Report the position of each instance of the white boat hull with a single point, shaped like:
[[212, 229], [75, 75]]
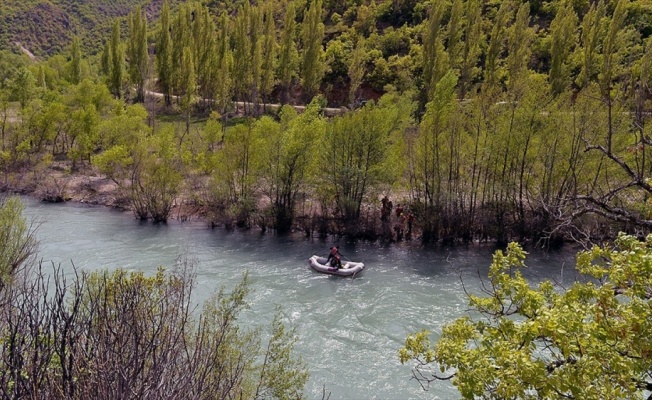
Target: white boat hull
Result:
[[349, 268]]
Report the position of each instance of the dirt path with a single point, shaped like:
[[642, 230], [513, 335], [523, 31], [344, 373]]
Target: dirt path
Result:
[[27, 52]]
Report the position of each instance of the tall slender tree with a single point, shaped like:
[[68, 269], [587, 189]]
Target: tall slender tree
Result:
[[563, 37], [288, 54], [435, 60], [269, 53], [591, 33], [242, 52], [106, 62], [471, 47], [187, 85], [181, 38], [312, 65], [356, 70], [224, 81], [137, 52], [75, 62], [164, 53], [117, 61], [497, 43]]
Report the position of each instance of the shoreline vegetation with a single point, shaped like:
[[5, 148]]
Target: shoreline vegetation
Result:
[[466, 121], [488, 122]]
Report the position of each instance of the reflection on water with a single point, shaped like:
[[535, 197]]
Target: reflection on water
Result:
[[350, 329]]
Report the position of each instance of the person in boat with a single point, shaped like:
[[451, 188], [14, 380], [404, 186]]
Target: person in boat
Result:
[[334, 257]]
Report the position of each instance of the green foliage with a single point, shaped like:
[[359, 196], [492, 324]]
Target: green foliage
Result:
[[289, 159], [144, 333], [137, 52], [156, 175], [355, 156], [312, 65], [236, 169], [163, 54], [117, 61], [75, 63], [17, 241], [582, 342]]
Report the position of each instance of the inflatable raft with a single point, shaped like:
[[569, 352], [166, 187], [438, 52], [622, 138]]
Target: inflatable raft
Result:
[[349, 268]]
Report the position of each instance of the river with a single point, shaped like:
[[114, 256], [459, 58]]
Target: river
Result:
[[350, 330]]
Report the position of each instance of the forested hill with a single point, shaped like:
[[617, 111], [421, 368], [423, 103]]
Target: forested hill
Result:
[[46, 27]]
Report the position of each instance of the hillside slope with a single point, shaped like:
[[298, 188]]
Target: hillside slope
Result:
[[46, 27]]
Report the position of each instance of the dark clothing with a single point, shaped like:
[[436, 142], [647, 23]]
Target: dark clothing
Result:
[[334, 260]]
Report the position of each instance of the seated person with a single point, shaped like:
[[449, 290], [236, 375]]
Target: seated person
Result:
[[334, 257]]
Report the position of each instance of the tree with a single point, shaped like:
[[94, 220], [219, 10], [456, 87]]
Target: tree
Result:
[[17, 240], [181, 39], [156, 175], [496, 44], [23, 86], [435, 61], [117, 61], [591, 33], [163, 54], [242, 53], [237, 169], [288, 160], [187, 85], [356, 70], [519, 41], [471, 47], [106, 62], [75, 62], [564, 37], [137, 52], [224, 81], [357, 156], [124, 334], [269, 51], [582, 342], [312, 63], [427, 153], [288, 54]]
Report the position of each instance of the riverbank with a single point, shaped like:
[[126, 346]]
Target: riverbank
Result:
[[86, 186]]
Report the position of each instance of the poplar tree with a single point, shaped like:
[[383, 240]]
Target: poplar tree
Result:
[[312, 66], [224, 81], [563, 37], [435, 62], [591, 31], [117, 61], [255, 33], [137, 52], [519, 45], [163, 54], [610, 59], [496, 43], [75, 65], [40, 78], [288, 54], [242, 72], [187, 84], [269, 52], [181, 37], [106, 61], [471, 47], [455, 31], [205, 53], [356, 70]]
